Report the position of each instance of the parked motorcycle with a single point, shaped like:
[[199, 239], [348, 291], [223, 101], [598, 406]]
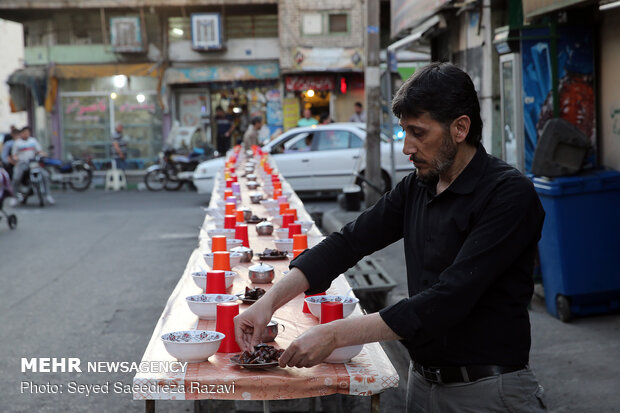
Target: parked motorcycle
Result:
[[76, 173], [174, 169]]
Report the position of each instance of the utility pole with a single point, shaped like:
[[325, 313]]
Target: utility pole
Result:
[[372, 84]]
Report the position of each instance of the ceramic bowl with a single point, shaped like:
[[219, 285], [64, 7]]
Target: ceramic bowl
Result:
[[200, 279], [227, 232], [277, 219], [281, 233], [284, 244], [305, 225], [230, 243], [344, 354], [235, 259], [269, 203], [348, 304], [205, 305], [193, 346]]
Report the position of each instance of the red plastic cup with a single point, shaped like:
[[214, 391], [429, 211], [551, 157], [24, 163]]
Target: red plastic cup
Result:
[[240, 215], [228, 193], [300, 241], [221, 261], [241, 232], [225, 314], [297, 251], [306, 309], [276, 193], [287, 219], [230, 221], [218, 243], [283, 207], [230, 208], [216, 282], [330, 311], [234, 178], [292, 211], [229, 183], [294, 229]]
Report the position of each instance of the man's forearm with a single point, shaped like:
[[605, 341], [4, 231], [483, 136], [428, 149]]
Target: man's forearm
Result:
[[293, 284], [360, 330]]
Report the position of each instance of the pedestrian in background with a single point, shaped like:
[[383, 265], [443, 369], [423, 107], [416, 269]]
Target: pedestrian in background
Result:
[[359, 115], [307, 120], [25, 149], [7, 160], [119, 147], [325, 119], [225, 127], [250, 137]]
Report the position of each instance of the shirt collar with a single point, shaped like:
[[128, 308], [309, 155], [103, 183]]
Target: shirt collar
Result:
[[468, 178]]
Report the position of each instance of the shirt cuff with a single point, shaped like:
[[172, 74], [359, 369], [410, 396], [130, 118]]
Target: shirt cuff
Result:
[[402, 319], [313, 270]]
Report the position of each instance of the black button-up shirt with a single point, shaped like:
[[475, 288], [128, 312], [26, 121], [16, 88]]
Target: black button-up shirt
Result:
[[469, 253]]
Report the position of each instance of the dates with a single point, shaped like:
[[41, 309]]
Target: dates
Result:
[[272, 253], [253, 293], [262, 354]]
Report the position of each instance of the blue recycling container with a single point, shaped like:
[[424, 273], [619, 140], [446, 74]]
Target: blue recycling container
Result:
[[580, 244]]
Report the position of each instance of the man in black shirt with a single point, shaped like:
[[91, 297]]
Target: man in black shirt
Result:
[[225, 127], [470, 224]]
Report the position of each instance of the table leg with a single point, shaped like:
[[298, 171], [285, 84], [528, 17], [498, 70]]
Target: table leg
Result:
[[197, 406], [312, 405], [374, 403], [149, 406], [265, 406]]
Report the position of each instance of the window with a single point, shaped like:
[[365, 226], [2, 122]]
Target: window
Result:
[[334, 139], [338, 23], [355, 142], [293, 143], [312, 23]]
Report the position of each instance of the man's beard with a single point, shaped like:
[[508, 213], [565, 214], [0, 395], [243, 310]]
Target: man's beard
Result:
[[443, 161]]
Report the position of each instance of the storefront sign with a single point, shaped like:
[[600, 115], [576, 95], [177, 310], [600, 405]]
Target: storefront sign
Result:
[[274, 108], [86, 112], [290, 109], [302, 82], [406, 14], [224, 73], [324, 58]]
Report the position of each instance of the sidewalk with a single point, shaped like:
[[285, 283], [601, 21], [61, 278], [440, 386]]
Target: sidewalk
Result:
[[577, 363]]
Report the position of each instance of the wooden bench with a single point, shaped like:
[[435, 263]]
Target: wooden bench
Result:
[[370, 282]]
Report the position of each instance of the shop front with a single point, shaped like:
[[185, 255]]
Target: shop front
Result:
[[241, 91], [328, 81], [89, 108]]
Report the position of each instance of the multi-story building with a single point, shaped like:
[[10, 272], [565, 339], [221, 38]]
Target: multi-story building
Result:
[[11, 44], [148, 64]]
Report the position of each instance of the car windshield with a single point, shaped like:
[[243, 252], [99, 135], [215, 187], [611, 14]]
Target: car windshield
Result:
[[384, 138]]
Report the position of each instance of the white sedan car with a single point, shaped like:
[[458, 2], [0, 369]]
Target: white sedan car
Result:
[[318, 158]]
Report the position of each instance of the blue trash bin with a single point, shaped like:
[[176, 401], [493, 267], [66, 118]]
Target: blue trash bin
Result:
[[580, 244]]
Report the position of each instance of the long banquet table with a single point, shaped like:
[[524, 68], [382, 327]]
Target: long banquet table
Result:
[[367, 374]]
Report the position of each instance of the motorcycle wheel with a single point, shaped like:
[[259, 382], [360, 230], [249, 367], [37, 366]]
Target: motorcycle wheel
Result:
[[173, 184], [12, 221], [84, 180], [39, 190], [156, 180]]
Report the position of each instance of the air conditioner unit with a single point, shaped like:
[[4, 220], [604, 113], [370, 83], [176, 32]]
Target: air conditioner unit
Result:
[[206, 31], [126, 34]]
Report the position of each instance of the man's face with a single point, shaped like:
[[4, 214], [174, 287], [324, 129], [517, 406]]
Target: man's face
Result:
[[119, 128], [25, 134], [358, 109], [307, 113], [429, 145]]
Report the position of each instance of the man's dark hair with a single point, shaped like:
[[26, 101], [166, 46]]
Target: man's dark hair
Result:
[[443, 91], [359, 104], [25, 128], [256, 119], [219, 108]]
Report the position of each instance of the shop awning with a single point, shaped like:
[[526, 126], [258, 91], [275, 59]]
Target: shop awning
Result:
[[407, 14], [417, 33], [28, 80], [92, 71], [535, 8]]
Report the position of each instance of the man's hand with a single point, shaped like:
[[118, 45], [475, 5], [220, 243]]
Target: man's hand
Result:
[[311, 348], [250, 324]]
